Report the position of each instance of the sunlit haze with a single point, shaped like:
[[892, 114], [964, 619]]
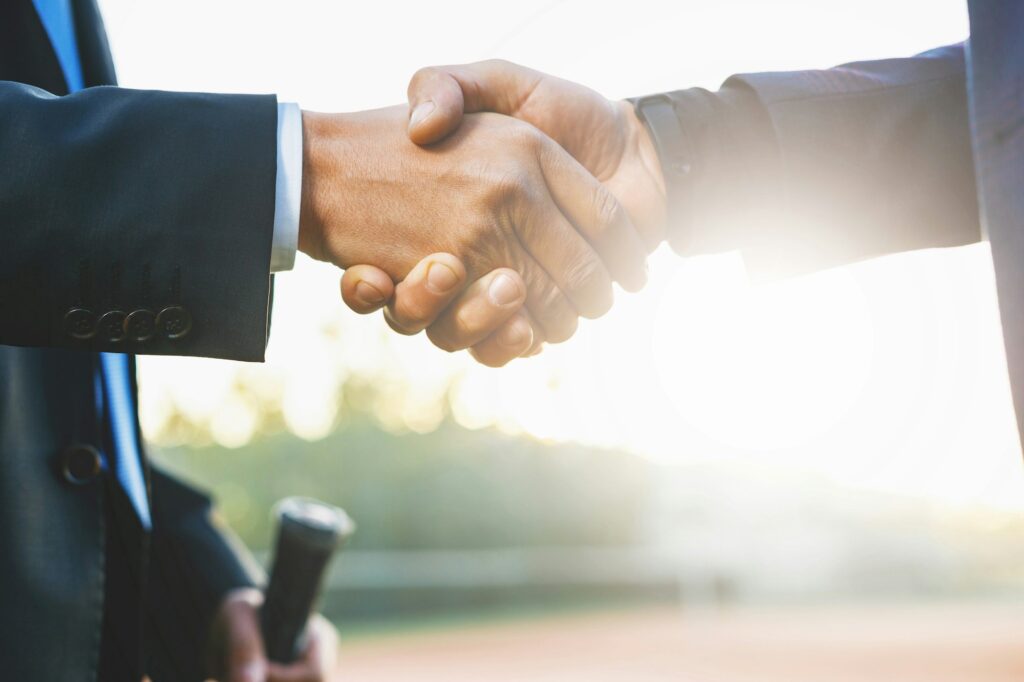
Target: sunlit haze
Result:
[[887, 375]]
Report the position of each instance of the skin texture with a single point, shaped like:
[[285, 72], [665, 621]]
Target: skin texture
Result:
[[605, 136], [494, 331], [236, 647], [495, 194]]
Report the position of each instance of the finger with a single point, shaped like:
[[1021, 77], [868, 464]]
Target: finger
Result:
[[296, 672], [439, 95], [316, 662], [538, 339], [552, 316], [597, 215], [425, 293], [481, 309], [365, 288], [549, 308], [244, 657], [535, 329], [538, 335], [511, 340], [564, 254], [435, 105]]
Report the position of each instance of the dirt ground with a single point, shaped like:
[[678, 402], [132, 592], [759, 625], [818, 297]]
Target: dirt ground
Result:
[[965, 643]]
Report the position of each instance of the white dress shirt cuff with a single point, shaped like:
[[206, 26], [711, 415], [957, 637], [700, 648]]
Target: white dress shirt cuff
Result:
[[288, 190]]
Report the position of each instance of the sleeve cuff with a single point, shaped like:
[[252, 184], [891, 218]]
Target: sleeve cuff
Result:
[[716, 150], [288, 190]]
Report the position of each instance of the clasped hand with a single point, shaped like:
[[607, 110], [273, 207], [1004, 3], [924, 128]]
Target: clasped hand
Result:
[[493, 231]]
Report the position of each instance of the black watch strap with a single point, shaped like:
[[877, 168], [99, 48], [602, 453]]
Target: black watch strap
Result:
[[676, 155]]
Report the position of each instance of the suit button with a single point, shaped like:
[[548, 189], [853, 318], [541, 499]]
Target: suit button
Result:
[[80, 464], [111, 326], [174, 321], [140, 325], [80, 323]]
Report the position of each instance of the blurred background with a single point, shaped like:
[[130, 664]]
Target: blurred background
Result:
[[719, 480]]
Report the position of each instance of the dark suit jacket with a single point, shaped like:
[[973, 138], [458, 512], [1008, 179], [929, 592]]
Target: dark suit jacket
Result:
[[811, 169], [123, 201]]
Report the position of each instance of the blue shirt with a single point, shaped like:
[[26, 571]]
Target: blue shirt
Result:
[[60, 27]]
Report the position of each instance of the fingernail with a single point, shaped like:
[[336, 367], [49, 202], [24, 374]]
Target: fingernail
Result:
[[514, 334], [441, 278], [420, 113], [503, 290], [367, 293]]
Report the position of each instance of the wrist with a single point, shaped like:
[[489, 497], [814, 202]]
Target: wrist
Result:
[[655, 197], [315, 149], [646, 148]]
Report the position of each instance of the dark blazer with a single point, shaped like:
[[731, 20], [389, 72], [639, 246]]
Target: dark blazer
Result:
[[996, 86], [810, 169], [151, 207]]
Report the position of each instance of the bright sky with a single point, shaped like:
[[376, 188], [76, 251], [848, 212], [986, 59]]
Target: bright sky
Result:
[[887, 375]]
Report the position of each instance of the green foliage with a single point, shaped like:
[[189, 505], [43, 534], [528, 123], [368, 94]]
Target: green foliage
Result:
[[450, 489]]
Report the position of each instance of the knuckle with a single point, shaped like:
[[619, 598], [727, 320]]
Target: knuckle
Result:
[[399, 328], [556, 316], [504, 188], [400, 323], [464, 325], [479, 255], [411, 314], [561, 328], [424, 74], [608, 212], [529, 136], [496, 63], [489, 359], [478, 241], [454, 333], [519, 135], [412, 325], [441, 339], [587, 278]]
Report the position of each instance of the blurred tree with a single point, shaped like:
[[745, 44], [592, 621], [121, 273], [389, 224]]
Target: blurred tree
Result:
[[452, 488]]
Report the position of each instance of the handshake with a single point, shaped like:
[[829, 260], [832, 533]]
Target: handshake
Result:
[[492, 213]]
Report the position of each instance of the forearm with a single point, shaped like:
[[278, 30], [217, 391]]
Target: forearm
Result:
[[807, 170], [122, 200]]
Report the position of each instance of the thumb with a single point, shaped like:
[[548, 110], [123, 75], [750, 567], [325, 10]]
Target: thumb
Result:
[[440, 95], [435, 105]]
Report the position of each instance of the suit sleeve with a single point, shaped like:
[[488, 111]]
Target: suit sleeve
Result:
[[807, 170], [194, 561], [136, 221]]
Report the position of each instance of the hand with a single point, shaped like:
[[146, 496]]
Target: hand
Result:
[[495, 194], [605, 136], [236, 651], [480, 318]]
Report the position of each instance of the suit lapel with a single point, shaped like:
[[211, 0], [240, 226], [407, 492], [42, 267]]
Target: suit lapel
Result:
[[26, 55]]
